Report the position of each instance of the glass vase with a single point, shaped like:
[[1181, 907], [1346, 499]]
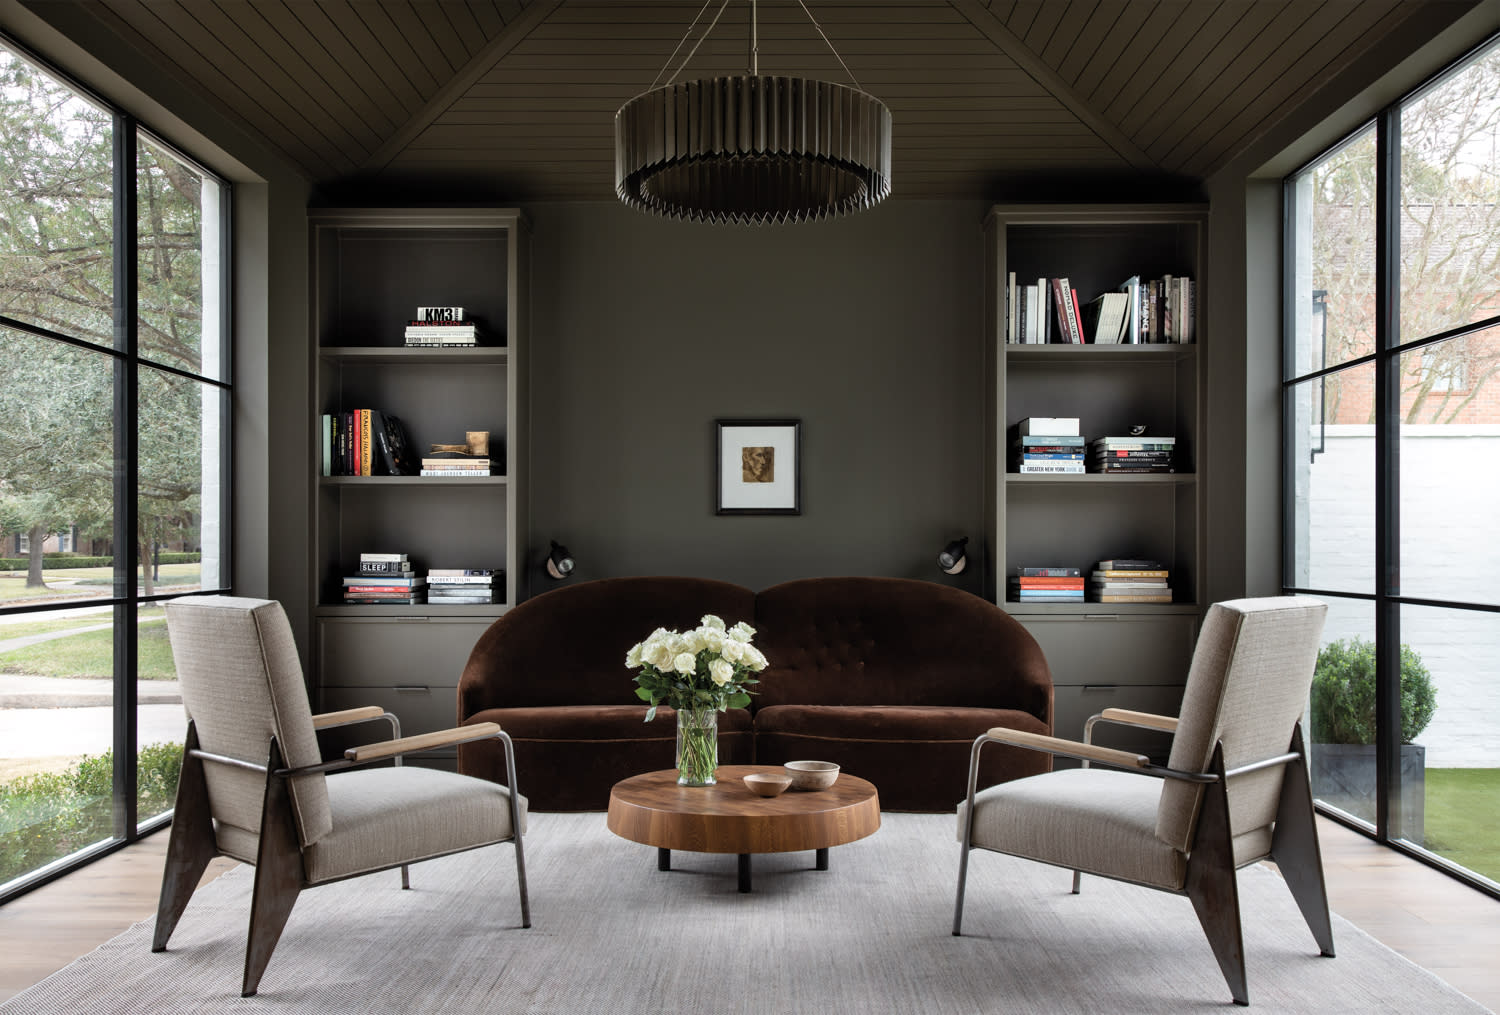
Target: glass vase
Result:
[[697, 746]]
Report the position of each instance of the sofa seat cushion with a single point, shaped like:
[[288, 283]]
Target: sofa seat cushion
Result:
[[892, 722], [598, 722], [917, 756], [569, 756]]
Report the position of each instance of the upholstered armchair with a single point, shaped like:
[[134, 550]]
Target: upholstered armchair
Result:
[[1234, 789], [253, 786]]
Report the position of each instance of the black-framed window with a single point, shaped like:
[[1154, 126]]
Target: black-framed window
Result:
[[1391, 465], [115, 399]]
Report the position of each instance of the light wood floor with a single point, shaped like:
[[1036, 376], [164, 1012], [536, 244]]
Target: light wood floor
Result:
[[1433, 920]]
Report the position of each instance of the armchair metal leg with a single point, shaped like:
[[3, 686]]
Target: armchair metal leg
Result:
[[967, 846], [1077, 882], [515, 826], [190, 848], [1212, 887], [1294, 847], [279, 875]]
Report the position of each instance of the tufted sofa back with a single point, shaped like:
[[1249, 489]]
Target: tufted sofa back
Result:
[[895, 641], [567, 646]]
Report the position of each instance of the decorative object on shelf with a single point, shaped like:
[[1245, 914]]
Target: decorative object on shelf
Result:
[[752, 149], [559, 561], [758, 465], [699, 673], [953, 559]]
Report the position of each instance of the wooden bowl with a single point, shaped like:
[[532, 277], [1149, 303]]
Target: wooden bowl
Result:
[[767, 783], [811, 775]]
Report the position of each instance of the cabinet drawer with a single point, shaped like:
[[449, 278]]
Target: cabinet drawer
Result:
[[1074, 703], [421, 709], [399, 651], [1115, 649]]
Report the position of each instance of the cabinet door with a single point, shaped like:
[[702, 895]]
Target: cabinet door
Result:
[[409, 666]]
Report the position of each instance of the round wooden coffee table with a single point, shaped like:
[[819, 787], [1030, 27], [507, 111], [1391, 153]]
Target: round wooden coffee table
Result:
[[727, 818]]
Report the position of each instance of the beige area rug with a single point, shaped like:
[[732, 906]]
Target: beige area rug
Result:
[[613, 934]]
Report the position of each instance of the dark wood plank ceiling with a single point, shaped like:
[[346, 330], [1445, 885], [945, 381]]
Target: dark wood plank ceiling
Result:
[[516, 99]]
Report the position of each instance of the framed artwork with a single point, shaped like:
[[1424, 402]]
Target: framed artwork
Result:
[[759, 462]]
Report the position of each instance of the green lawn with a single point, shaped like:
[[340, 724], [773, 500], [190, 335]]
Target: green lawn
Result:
[[1462, 817], [91, 654]]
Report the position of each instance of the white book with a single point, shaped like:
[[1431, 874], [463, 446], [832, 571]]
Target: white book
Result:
[[1048, 426], [1061, 467]]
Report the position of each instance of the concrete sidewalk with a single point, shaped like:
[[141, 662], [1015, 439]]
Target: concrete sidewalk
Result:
[[67, 692]]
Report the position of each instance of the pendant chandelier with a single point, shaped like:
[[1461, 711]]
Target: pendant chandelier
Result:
[[752, 149]]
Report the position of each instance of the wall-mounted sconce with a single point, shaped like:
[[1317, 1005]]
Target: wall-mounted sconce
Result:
[[559, 562], [953, 560]]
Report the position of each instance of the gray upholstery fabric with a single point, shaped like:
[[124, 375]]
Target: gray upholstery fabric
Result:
[[387, 816], [241, 684], [1247, 688], [1095, 820]]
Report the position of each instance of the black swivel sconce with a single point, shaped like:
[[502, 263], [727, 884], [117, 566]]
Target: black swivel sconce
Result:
[[559, 562], [953, 559]]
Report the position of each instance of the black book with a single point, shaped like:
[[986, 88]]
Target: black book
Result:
[[395, 448]]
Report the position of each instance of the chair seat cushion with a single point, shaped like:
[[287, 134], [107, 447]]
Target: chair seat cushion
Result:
[[383, 817], [1094, 820]]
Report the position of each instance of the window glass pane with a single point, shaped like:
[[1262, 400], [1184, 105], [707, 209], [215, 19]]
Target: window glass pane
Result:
[[56, 205], [160, 722], [1450, 201], [1341, 713], [1332, 449], [1450, 677], [1450, 487], [1333, 258], [180, 484], [179, 301], [56, 469], [56, 728]]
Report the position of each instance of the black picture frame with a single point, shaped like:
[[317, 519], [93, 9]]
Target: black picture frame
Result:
[[758, 466]]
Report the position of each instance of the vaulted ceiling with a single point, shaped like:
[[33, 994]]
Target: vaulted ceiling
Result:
[[517, 97]]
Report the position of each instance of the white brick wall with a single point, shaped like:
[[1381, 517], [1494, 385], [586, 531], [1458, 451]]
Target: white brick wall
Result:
[[1450, 549]]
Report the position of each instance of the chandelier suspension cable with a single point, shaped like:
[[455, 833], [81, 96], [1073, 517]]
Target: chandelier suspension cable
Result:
[[825, 39], [692, 52]]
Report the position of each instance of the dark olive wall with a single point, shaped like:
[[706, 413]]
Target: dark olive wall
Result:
[[868, 329]]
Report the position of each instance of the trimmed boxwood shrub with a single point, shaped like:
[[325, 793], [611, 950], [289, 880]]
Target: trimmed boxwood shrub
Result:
[[63, 561], [52, 814], [1343, 694]]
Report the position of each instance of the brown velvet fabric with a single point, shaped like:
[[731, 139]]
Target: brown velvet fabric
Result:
[[568, 757], [892, 678], [895, 641], [567, 646], [917, 756]]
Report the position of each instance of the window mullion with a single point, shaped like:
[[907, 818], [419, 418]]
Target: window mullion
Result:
[[1388, 817], [126, 478]]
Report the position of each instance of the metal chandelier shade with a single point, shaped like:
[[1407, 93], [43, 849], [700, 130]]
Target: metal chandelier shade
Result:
[[753, 150]]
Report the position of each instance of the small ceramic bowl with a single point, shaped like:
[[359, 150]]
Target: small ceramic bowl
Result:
[[812, 774], [767, 783]]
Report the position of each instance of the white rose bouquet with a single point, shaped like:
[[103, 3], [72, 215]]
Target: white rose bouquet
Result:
[[708, 667], [699, 673]]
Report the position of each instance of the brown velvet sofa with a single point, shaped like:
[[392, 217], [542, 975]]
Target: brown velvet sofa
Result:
[[892, 678]]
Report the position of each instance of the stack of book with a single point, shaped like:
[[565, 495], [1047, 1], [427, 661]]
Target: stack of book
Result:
[[1132, 454], [1047, 585], [1047, 445], [1129, 581], [385, 579], [454, 464], [439, 327], [454, 585], [365, 442]]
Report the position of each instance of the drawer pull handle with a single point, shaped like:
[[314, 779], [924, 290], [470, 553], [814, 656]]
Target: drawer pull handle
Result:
[[1096, 688], [412, 620], [411, 689], [1101, 616]]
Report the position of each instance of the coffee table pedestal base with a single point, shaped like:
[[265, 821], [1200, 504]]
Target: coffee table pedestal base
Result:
[[664, 863]]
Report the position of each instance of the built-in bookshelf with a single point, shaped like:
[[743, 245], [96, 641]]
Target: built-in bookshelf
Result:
[[370, 271], [1102, 654]]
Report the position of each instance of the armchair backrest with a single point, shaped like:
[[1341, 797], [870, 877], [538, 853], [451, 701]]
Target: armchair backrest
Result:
[[241, 685], [1247, 689]]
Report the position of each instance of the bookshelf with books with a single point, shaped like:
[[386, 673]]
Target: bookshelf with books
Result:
[[1054, 513], [373, 273]]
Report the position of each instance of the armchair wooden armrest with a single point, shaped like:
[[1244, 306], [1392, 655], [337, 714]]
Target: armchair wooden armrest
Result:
[[1145, 720], [422, 742], [347, 716], [1069, 748]]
